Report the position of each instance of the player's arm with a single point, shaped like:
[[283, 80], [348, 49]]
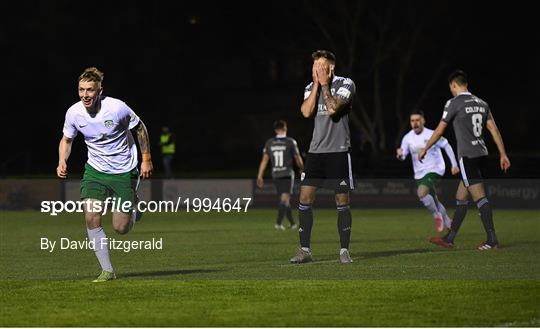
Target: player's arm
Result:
[[262, 168], [402, 151], [299, 162], [450, 153], [64, 150], [144, 143], [333, 104], [497, 138], [309, 104], [439, 131]]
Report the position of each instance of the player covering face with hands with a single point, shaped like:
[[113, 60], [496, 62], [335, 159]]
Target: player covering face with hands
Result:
[[111, 170], [327, 101]]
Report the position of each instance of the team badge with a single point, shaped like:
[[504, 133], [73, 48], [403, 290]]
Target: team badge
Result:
[[108, 123]]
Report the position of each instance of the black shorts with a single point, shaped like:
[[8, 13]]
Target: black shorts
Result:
[[284, 184], [329, 170], [471, 170]]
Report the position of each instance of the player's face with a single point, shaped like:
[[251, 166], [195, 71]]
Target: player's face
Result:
[[417, 123], [326, 63], [89, 91]]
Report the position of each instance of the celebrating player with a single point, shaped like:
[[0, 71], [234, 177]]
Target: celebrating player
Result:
[[111, 170], [470, 116], [428, 172], [328, 164], [280, 151]]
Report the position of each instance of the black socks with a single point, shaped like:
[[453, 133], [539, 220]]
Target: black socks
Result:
[[344, 223], [306, 223], [459, 216]]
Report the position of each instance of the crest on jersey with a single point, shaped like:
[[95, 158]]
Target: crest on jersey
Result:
[[108, 123]]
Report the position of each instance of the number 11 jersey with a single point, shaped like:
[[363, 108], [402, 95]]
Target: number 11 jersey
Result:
[[281, 151]]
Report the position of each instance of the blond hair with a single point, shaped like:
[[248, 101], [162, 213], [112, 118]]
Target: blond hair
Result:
[[91, 74]]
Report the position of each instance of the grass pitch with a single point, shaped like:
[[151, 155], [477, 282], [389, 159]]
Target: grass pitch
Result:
[[221, 269]]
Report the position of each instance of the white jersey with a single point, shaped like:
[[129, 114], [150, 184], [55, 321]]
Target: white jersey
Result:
[[111, 147], [433, 161]]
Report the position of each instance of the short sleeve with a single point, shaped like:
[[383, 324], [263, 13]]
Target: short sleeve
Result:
[[307, 90], [266, 148], [127, 117], [295, 150], [70, 129], [450, 111], [346, 90], [488, 112]]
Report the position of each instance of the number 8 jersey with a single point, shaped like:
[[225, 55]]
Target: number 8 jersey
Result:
[[468, 115], [281, 151]]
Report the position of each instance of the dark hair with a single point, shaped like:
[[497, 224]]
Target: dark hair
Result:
[[459, 77], [325, 54], [417, 111], [280, 125]]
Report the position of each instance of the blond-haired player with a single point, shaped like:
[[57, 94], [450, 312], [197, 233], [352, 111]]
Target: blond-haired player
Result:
[[111, 170]]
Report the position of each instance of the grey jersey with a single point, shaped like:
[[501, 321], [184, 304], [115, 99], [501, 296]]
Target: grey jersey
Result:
[[468, 115], [281, 151], [332, 134]]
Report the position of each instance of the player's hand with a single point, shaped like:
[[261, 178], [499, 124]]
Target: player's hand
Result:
[[147, 169], [399, 153], [314, 75], [61, 170], [455, 170], [505, 163], [422, 155], [260, 182], [323, 73]]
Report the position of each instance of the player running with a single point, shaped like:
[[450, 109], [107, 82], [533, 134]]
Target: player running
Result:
[[281, 151], [328, 99], [428, 172], [470, 116], [111, 170]]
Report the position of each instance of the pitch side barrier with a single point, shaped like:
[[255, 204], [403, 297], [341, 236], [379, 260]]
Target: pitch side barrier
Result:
[[17, 194], [401, 193]]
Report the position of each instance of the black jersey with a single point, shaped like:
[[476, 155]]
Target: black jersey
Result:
[[281, 151], [468, 115]]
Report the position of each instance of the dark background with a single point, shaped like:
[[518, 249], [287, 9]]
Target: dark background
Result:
[[219, 73]]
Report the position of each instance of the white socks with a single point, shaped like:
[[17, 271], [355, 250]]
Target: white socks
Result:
[[442, 209], [430, 204], [101, 247], [342, 251]]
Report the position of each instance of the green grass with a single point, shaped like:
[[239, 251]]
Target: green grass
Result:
[[232, 270]]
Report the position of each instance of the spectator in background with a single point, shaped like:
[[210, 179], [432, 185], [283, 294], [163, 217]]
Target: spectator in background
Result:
[[167, 142]]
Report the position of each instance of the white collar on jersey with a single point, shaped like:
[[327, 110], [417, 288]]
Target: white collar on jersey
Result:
[[465, 93], [281, 135]]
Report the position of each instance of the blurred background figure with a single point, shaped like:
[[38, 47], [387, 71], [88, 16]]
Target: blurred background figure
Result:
[[167, 142]]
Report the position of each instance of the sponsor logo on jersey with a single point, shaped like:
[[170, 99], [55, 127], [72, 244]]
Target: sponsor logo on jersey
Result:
[[344, 92]]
